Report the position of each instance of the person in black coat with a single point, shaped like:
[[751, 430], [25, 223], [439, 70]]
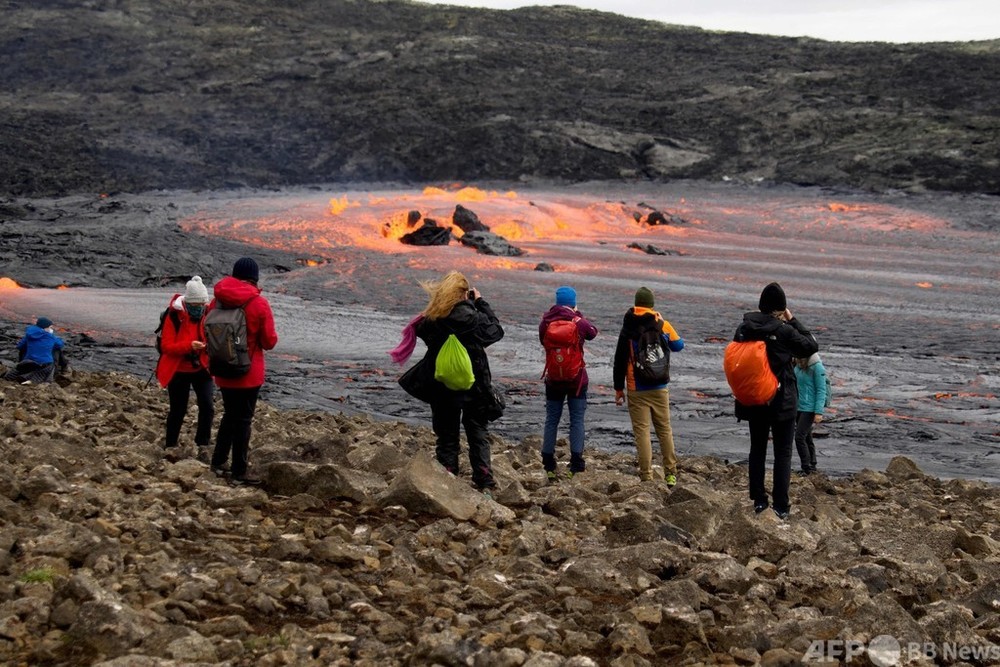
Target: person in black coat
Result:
[[785, 338], [456, 308]]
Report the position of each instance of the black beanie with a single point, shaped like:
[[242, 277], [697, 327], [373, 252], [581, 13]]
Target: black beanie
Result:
[[245, 268], [772, 299]]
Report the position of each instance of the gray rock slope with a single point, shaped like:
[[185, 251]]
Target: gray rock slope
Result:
[[131, 95], [360, 550]]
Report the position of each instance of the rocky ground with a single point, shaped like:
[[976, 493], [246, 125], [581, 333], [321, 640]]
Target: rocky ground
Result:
[[358, 549]]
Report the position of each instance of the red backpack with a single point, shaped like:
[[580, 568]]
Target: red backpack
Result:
[[748, 372], [563, 351]]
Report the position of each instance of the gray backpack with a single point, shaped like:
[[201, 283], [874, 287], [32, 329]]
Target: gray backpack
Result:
[[226, 341]]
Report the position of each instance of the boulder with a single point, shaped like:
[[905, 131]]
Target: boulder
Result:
[[654, 218], [43, 479], [467, 221], [424, 486], [651, 249], [325, 481], [427, 235], [109, 626], [488, 243], [698, 509], [984, 600], [723, 575], [901, 469]]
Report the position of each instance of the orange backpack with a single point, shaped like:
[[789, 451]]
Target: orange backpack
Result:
[[748, 373]]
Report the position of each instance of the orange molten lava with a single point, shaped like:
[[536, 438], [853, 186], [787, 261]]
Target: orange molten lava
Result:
[[322, 226], [338, 206], [925, 285], [7, 283], [845, 208]]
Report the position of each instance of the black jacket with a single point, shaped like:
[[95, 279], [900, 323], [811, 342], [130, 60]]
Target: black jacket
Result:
[[476, 327], [784, 341]]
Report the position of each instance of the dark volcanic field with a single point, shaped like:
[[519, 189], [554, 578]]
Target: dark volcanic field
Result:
[[133, 95]]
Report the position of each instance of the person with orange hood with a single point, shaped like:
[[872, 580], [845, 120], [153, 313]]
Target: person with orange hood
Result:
[[642, 366], [239, 394], [183, 365]]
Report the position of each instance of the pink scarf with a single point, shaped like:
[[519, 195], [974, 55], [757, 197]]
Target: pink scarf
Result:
[[403, 351]]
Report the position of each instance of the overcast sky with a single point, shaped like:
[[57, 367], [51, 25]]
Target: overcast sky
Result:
[[838, 20]]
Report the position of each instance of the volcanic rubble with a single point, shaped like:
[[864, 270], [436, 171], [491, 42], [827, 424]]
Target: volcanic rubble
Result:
[[359, 549]]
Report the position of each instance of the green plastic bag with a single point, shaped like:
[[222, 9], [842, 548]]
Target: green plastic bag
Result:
[[453, 366]]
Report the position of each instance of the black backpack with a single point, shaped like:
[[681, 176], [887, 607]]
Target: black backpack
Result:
[[651, 357], [226, 341], [174, 317]]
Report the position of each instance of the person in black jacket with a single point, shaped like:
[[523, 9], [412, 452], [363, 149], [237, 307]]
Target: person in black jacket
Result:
[[648, 397], [785, 338], [456, 308]]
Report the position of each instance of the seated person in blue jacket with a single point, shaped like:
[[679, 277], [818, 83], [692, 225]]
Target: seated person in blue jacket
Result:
[[39, 353]]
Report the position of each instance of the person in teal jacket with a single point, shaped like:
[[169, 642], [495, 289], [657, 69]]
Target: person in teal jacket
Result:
[[811, 377]]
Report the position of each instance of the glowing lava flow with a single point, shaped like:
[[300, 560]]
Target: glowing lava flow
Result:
[[376, 220]]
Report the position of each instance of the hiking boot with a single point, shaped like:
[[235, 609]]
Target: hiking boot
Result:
[[244, 481], [671, 479], [759, 506], [782, 514], [804, 473], [487, 492], [551, 476]]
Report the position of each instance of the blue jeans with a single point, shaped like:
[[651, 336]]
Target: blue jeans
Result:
[[555, 396]]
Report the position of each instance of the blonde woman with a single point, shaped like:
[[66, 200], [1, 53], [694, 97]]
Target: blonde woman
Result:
[[454, 307]]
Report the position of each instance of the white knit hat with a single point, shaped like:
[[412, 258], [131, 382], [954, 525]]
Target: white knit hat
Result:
[[196, 291]]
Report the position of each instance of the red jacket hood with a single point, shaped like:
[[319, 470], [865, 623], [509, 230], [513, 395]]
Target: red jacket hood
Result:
[[232, 292]]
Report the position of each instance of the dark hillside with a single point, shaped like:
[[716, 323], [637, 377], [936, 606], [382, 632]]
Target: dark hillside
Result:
[[132, 95]]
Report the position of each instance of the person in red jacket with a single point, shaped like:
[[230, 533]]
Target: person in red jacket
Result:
[[183, 365], [239, 395]]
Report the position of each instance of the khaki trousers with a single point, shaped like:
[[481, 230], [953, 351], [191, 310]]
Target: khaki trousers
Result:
[[643, 407]]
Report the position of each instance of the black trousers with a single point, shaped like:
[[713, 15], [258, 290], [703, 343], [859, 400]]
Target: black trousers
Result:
[[234, 429], [179, 390], [447, 417], [783, 434], [804, 441]]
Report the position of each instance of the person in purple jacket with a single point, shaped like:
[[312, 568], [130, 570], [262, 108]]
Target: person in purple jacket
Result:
[[562, 331]]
